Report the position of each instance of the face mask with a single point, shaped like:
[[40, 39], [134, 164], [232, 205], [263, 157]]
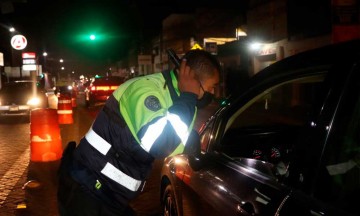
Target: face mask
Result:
[[205, 100]]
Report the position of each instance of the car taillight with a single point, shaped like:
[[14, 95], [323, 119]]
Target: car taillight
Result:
[[102, 88]]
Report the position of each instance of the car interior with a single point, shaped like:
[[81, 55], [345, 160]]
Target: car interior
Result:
[[267, 126]]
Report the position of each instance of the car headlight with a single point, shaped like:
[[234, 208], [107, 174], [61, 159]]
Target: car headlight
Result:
[[33, 101]]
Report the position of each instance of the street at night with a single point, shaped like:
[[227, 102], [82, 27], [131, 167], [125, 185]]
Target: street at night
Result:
[[179, 108], [29, 188]]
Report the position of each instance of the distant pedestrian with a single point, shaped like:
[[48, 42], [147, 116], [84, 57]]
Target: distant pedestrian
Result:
[[147, 117]]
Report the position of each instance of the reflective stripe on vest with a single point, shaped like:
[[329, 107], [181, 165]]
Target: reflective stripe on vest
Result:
[[109, 170], [120, 177], [152, 133], [155, 130], [97, 142], [181, 129]]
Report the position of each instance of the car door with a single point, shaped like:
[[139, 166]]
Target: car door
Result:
[[245, 150], [335, 184], [213, 184]]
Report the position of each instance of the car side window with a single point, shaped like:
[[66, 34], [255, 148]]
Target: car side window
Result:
[[288, 103], [264, 127]]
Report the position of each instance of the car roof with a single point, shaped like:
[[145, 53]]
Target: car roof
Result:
[[323, 57]]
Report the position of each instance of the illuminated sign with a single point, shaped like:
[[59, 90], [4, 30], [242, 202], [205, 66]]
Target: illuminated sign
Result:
[[267, 49], [18, 42], [29, 67], [28, 55], [196, 46], [29, 61], [1, 59]]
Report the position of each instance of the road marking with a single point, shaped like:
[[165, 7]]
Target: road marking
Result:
[[12, 176]]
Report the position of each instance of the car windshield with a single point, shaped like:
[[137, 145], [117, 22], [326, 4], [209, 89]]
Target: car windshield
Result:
[[18, 87]]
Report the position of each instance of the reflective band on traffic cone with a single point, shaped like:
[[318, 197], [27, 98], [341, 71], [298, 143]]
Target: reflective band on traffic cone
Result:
[[45, 135], [65, 112]]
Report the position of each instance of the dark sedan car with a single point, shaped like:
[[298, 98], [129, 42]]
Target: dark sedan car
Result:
[[287, 144], [101, 88], [18, 98]]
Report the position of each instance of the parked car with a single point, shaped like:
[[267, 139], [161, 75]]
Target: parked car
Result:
[[288, 143], [101, 88], [18, 98]]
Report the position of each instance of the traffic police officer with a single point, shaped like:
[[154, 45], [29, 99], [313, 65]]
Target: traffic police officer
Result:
[[147, 117]]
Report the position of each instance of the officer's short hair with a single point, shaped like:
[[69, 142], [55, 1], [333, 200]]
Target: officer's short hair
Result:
[[202, 62]]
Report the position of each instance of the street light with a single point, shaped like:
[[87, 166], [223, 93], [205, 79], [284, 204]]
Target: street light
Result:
[[12, 30], [45, 54]]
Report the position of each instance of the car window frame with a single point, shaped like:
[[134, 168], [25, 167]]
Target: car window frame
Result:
[[250, 91], [265, 92]]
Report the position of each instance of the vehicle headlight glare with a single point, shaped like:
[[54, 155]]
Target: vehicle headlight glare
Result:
[[33, 101]]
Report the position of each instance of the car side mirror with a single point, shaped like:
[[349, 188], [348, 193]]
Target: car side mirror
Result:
[[193, 150], [192, 146]]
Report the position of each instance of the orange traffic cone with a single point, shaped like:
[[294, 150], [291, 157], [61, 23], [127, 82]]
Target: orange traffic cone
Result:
[[64, 111], [45, 135]]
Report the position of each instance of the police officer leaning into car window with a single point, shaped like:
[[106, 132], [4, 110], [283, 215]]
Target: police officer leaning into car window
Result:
[[146, 118]]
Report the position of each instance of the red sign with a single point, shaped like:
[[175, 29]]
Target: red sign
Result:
[[28, 55]]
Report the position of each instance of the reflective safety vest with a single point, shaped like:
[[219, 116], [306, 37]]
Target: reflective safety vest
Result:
[[145, 118]]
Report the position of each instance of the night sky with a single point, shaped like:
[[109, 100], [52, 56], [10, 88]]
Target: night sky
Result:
[[62, 27]]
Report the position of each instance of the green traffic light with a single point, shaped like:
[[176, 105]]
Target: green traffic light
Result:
[[92, 37]]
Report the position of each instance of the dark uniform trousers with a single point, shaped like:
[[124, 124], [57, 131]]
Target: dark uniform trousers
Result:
[[76, 200]]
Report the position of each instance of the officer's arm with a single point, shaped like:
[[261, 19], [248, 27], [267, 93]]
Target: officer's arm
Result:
[[180, 119], [160, 130]]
